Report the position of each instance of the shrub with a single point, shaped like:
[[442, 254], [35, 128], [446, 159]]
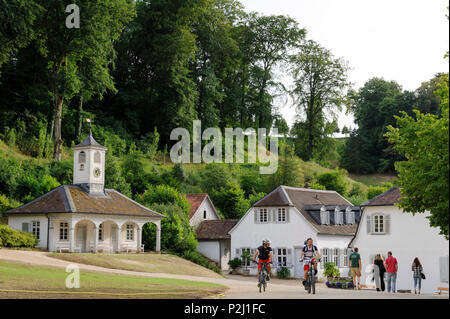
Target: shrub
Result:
[[14, 238], [374, 191], [7, 203], [283, 272], [331, 270], [235, 263], [201, 260], [333, 181]]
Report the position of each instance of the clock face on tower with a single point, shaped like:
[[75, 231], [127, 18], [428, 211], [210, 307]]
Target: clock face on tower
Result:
[[97, 172]]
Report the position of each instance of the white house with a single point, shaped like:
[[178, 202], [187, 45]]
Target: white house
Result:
[[86, 217], [202, 208], [385, 227], [288, 216]]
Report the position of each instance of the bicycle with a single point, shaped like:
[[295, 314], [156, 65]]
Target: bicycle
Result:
[[262, 282], [310, 284]]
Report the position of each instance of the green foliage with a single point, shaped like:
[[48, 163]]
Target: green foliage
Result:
[[231, 201], [7, 203], [13, 238], [201, 260], [235, 263], [374, 191], [288, 169], [178, 172], [246, 256], [424, 174], [330, 270], [114, 177], [166, 195], [333, 180], [283, 272]]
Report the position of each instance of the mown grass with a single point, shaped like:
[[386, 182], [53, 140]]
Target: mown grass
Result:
[[25, 281], [154, 263]]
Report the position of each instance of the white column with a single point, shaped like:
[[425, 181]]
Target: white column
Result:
[[95, 238], [139, 238], [117, 229], [158, 238], [71, 237], [51, 231]]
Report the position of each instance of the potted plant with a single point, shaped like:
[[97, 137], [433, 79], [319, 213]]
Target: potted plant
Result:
[[235, 264], [283, 272], [331, 271]]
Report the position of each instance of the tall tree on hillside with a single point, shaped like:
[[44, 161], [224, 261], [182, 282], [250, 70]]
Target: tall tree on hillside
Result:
[[320, 83], [101, 22], [424, 175], [272, 38]]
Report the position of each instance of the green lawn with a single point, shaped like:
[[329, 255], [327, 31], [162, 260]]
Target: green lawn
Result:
[[155, 263], [25, 281], [373, 179]]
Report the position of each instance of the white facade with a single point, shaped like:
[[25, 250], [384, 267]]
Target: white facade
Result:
[[86, 233], [407, 236], [287, 238], [216, 250], [204, 212], [89, 167]]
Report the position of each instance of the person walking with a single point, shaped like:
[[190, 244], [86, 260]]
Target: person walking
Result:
[[417, 275], [391, 266], [355, 267], [378, 272]]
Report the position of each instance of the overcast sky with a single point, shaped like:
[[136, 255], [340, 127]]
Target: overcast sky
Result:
[[401, 40]]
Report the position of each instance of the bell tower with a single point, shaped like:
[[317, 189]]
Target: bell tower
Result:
[[89, 165]]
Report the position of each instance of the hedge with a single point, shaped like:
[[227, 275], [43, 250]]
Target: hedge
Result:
[[14, 238]]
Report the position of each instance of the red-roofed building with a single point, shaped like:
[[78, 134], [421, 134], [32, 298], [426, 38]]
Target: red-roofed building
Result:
[[202, 208]]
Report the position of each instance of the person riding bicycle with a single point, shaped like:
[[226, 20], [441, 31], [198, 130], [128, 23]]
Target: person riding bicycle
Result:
[[265, 255], [309, 253]]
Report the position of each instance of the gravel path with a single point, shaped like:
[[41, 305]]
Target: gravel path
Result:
[[239, 286]]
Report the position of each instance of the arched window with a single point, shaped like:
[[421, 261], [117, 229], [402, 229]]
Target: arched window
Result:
[[82, 157], [81, 167], [97, 157]]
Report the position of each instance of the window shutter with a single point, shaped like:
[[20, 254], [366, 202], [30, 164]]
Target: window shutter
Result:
[[369, 224], [289, 257], [287, 215], [275, 257], [26, 227], [387, 224], [256, 216], [252, 252], [271, 217]]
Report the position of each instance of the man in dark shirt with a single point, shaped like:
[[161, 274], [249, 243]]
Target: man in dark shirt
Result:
[[265, 255]]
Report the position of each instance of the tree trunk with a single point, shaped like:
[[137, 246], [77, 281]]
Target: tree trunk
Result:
[[57, 152], [80, 118]]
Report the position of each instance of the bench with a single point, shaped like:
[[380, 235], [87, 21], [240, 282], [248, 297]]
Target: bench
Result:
[[62, 247], [441, 289]]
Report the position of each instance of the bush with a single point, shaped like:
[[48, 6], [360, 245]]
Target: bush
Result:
[[333, 181], [7, 203], [235, 263], [201, 260], [374, 191], [331, 270], [14, 238], [283, 272]]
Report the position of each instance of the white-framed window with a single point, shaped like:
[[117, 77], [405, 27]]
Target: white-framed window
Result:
[[100, 232], [130, 232], [281, 257], [347, 252], [325, 256], [246, 263], [324, 216], [337, 257], [263, 215], [82, 157], [378, 224], [64, 231], [36, 229], [282, 215], [97, 157]]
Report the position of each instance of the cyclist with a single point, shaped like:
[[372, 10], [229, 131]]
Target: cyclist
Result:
[[265, 255], [308, 253]]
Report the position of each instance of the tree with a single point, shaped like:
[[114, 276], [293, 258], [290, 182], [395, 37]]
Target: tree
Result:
[[320, 81], [333, 181], [288, 169], [76, 55], [424, 174]]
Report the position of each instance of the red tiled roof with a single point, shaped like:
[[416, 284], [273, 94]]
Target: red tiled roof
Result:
[[196, 200], [215, 229], [388, 198], [73, 199]]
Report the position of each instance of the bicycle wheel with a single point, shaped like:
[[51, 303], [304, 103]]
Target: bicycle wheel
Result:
[[313, 286]]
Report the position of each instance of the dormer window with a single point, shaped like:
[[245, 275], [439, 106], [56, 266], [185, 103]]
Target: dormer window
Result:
[[82, 157], [338, 216], [324, 216], [349, 216]]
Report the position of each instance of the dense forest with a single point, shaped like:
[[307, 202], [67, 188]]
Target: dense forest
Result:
[[139, 69]]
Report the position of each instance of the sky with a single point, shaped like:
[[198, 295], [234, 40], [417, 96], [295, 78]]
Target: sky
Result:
[[401, 40]]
